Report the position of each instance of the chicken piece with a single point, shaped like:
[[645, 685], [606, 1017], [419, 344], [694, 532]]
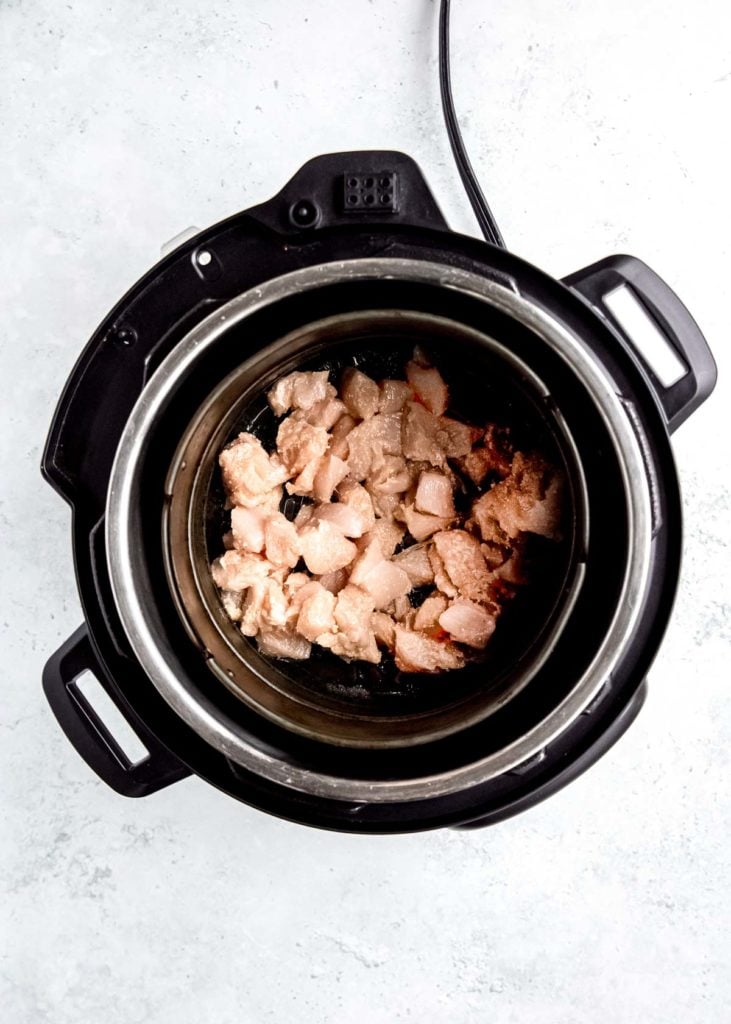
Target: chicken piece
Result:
[[344, 517], [464, 564], [434, 495], [417, 652], [512, 569], [360, 394], [402, 607], [334, 581], [300, 443], [384, 629], [339, 436], [228, 540], [274, 606], [325, 413], [283, 643], [529, 500], [252, 600], [237, 570], [494, 554], [330, 471], [415, 562], [419, 432], [324, 548], [429, 386], [387, 534], [394, 395], [356, 497], [354, 638], [232, 601], [303, 516], [304, 481], [316, 614], [455, 438], [281, 541], [468, 623], [247, 527], [441, 579], [250, 476], [385, 505], [380, 435], [383, 580], [494, 455], [427, 614], [388, 474], [420, 525], [300, 391], [294, 583]]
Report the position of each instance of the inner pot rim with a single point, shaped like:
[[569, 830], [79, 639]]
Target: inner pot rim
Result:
[[159, 660], [262, 684]]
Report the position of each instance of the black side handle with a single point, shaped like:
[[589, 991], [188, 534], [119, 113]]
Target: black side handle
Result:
[[90, 736], [671, 317]]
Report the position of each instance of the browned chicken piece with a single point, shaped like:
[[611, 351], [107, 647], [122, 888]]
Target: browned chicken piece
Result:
[[232, 601], [382, 579], [420, 525], [237, 570], [345, 518], [354, 639], [419, 430], [441, 579], [455, 438], [325, 413], [388, 474], [512, 569], [394, 395], [381, 435], [300, 391], [339, 436], [387, 534], [384, 629], [434, 495], [283, 643], [360, 394], [494, 455], [316, 614], [494, 553], [417, 652], [247, 527], [330, 471], [416, 564], [468, 623], [324, 548], [300, 443], [249, 474], [427, 614], [356, 497], [334, 581], [527, 501], [429, 386], [281, 541], [464, 564]]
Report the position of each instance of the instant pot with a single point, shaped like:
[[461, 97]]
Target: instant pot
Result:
[[350, 264]]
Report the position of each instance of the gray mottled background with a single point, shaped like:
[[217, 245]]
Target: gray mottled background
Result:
[[595, 128]]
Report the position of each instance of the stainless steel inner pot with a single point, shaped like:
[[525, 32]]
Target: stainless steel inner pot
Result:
[[189, 480]]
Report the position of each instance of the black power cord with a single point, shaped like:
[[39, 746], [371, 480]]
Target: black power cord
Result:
[[485, 219]]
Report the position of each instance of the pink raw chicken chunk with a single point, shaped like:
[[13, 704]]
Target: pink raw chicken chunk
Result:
[[394, 395], [342, 516], [434, 495], [330, 471], [247, 527], [360, 394], [427, 614], [339, 436], [250, 475], [416, 564], [300, 390], [420, 525], [428, 384], [465, 564], [281, 541], [356, 497], [316, 614], [378, 436], [283, 643], [468, 623], [237, 570], [325, 549], [382, 579], [300, 443], [417, 652]]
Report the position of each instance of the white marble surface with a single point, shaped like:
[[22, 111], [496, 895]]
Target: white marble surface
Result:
[[595, 128]]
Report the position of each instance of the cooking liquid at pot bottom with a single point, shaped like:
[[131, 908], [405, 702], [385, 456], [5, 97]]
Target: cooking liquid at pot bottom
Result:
[[490, 394]]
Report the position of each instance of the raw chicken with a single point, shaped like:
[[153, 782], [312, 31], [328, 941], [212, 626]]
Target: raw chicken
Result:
[[378, 436], [281, 541], [300, 443], [330, 471], [339, 436], [427, 614], [343, 516], [384, 629], [434, 495], [417, 652], [420, 525], [360, 394], [386, 533], [464, 564], [379, 577], [416, 564], [529, 500], [355, 496], [247, 528], [237, 570], [316, 614], [468, 622], [283, 643], [394, 395], [324, 548], [429, 386], [249, 473], [300, 390]]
